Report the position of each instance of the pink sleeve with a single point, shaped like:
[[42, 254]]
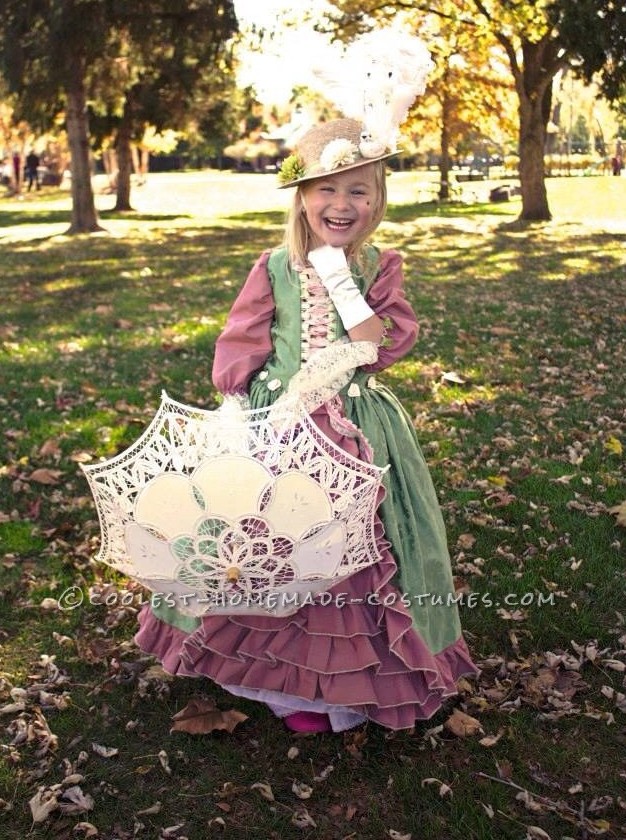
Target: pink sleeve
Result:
[[245, 342], [386, 297]]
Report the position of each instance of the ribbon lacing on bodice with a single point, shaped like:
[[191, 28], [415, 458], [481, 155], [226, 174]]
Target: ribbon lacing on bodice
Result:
[[319, 319], [318, 330]]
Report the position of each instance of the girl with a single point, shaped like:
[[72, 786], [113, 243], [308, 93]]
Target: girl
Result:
[[390, 650]]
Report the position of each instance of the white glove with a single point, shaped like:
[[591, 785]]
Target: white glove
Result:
[[333, 270]]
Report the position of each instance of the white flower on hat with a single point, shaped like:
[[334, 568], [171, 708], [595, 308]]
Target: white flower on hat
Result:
[[339, 152]]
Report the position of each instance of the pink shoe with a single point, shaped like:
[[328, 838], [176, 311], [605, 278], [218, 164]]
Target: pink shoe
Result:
[[308, 722]]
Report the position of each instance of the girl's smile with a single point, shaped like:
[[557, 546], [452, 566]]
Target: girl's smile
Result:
[[339, 207]]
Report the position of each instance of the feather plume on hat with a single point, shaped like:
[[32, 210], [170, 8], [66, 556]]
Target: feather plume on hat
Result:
[[377, 80], [374, 83]]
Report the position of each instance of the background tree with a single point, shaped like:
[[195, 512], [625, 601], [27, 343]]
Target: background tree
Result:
[[53, 52], [471, 88], [46, 48], [527, 33], [215, 121], [536, 53], [170, 60], [595, 31]]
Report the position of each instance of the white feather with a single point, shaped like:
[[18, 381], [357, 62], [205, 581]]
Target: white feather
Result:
[[376, 80]]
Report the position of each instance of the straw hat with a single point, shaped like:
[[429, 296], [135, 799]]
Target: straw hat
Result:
[[330, 147]]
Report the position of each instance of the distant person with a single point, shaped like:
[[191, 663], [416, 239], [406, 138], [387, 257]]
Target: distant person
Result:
[[32, 170], [5, 172]]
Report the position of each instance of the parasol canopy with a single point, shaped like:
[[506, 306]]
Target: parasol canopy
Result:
[[238, 510]]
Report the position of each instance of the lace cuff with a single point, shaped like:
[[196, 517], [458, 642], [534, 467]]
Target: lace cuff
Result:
[[327, 371]]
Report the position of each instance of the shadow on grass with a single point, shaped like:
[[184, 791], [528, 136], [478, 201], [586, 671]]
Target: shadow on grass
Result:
[[271, 217], [20, 216], [133, 215], [399, 213]]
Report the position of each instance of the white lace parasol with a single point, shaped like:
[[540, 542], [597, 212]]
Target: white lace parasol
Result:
[[237, 509]]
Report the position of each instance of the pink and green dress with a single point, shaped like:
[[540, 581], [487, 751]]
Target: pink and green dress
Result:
[[390, 649]]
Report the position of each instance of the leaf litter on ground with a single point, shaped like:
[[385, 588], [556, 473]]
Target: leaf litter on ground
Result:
[[540, 386]]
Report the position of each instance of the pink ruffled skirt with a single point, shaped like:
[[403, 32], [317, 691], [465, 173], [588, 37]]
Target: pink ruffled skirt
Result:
[[353, 660]]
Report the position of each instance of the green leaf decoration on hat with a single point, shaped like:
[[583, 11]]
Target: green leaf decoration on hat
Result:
[[292, 168]]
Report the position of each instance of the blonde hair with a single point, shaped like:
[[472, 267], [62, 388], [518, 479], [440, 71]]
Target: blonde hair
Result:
[[298, 238]]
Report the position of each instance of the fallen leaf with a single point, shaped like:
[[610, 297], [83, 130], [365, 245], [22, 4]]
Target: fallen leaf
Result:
[[88, 828], [351, 810], [45, 476], [153, 809], [462, 725], [498, 480], [13, 708], [217, 821], [533, 832], [617, 696], [602, 825], [324, 774], [105, 752], [620, 512], [444, 789], [43, 803], [538, 684], [50, 447], [491, 740], [49, 604], [505, 769], [511, 615], [74, 779], [165, 762], [171, 830], [301, 790], [265, 790], [466, 541], [613, 445], [615, 665], [199, 717], [81, 457], [453, 377], [302, 819], [74, 801]]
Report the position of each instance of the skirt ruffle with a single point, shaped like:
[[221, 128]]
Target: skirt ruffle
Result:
[[366, 657]]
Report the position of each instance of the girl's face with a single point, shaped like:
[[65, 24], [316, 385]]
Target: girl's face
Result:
[[340, 207]]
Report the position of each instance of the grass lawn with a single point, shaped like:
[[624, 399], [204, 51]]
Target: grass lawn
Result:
[[516, 387]]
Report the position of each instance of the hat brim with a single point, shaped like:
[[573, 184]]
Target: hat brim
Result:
[[316, 175]]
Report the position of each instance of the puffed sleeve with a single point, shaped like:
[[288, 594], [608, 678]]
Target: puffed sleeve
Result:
[[387, 299], [245, 342]]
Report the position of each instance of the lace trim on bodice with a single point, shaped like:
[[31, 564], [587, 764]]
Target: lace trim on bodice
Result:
[[319, 318]]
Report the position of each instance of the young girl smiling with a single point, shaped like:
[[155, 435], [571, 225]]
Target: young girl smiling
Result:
[[390, 649]]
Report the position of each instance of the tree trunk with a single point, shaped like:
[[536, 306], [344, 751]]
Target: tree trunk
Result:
[[124, 161], [444, 145], [531, 161], [542, 60], [84, 216]]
